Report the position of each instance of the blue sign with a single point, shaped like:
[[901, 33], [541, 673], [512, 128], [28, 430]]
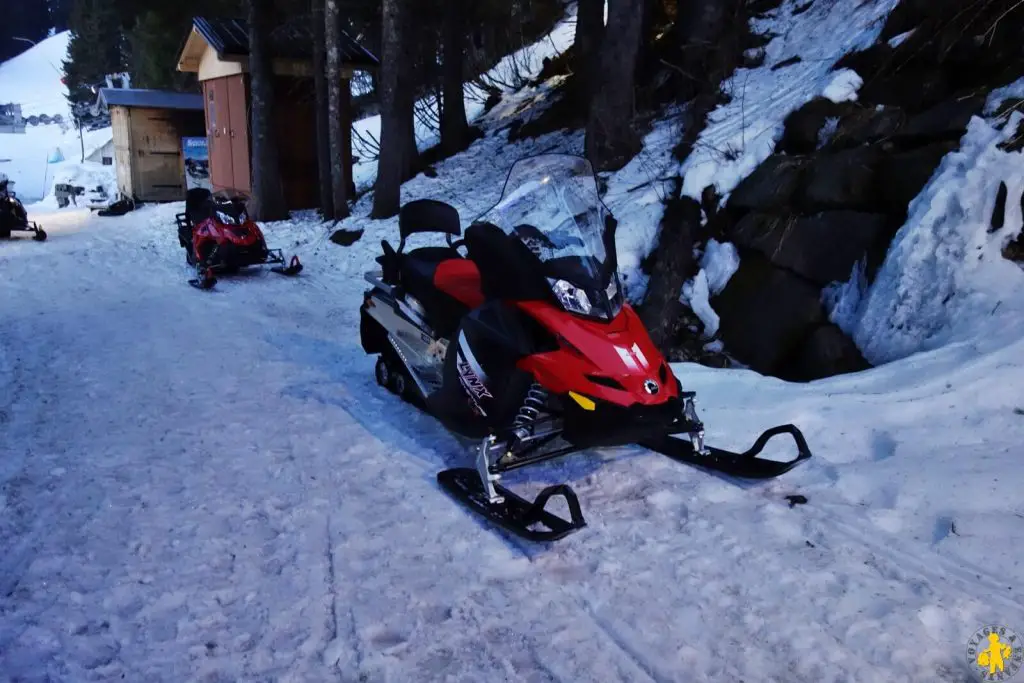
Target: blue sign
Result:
[[197, 163]]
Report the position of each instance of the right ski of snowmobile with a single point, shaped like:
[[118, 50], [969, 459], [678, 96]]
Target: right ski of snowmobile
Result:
[[526, 345], [219, 237]]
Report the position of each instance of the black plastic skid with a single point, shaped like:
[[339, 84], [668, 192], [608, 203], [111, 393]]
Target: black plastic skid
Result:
[[744, 465], [514, 514]]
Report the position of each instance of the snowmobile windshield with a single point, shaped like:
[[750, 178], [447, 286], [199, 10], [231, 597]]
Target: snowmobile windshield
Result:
[[551, 204]]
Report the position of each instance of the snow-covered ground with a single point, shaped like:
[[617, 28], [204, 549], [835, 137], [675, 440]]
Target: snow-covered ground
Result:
[[209, 486]]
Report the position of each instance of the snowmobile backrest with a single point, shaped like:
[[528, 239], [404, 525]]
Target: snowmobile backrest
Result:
[[197, 204], [428, 215]]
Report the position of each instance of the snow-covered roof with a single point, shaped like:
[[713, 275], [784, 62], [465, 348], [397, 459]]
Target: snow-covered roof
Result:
[[155, 99]]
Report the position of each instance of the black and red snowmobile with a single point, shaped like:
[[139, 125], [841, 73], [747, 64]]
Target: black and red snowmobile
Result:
[[219, 237], [526, 344], [13, 217]]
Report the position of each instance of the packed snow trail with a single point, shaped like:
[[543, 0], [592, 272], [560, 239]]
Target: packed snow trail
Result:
[[209, 486]]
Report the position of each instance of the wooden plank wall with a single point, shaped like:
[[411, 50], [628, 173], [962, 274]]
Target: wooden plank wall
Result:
[[120, 120]]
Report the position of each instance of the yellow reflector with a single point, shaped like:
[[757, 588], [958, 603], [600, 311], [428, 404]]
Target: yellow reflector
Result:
[[584, 402]]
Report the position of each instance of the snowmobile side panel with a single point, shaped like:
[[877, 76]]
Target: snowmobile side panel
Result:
[[744, 465], [514, 514]]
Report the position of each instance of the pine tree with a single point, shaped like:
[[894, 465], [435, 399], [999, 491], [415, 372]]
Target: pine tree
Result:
[[94, 50]]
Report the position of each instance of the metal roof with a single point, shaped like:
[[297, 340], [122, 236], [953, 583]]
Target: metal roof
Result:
[[291, 40], [155, 99]]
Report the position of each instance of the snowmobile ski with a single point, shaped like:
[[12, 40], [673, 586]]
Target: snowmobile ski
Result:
[[205, 279], [744, 465], [293, 268], [514, 513]]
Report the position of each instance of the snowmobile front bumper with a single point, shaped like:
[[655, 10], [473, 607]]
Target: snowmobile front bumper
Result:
[[479, 490]]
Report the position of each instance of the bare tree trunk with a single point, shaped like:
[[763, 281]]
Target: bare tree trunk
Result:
[[671, 267], [323, 133], [346, 135], [454, 127], [268, 203], [589, 33], [701, 26], [335, 120], [391, 163], [409, 148], [611, 139]]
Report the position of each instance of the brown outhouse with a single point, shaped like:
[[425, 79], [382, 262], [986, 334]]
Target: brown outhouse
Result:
[[148, 126], [217, 51]]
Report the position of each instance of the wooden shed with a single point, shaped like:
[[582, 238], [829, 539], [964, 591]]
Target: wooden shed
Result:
[[217, 51], [148, 126]]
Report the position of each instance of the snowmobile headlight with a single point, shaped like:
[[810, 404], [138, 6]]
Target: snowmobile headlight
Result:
[[571, 297]]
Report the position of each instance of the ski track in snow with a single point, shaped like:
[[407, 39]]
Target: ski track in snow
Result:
[[210, 486]]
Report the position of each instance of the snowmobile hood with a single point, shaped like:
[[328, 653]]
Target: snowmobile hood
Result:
[[615, 361]]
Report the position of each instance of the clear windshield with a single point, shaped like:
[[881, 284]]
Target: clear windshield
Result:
[[551, 204]]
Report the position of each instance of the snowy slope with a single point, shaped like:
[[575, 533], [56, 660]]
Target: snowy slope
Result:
[[944, 280], [525, 63], [33, 79], [742, 133]]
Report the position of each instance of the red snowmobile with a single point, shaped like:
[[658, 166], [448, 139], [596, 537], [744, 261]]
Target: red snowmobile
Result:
[[527, 345], [219, 237], [13, 217]]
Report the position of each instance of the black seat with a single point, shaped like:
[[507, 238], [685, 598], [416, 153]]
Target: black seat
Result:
[[417, 269]]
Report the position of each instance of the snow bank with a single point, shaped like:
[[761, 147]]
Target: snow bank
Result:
[[742, 133], [89, 175], [996, 98], [843, 87], [33, 78], [24, 158], [718, 264], [944, 279]]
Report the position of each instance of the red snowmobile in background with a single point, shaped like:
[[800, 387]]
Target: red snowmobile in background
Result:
[[527, 345], [219, 237], [13, 217]]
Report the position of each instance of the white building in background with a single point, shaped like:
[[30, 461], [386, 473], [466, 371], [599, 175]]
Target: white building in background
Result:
[[11, 120]]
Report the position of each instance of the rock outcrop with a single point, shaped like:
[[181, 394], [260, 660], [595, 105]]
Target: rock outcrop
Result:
[[838, 186]]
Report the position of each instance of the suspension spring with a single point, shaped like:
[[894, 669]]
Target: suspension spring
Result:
[[533, 406]]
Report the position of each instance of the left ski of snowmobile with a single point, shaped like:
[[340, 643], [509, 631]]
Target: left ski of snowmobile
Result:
[[527, 346], [218, 237]]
